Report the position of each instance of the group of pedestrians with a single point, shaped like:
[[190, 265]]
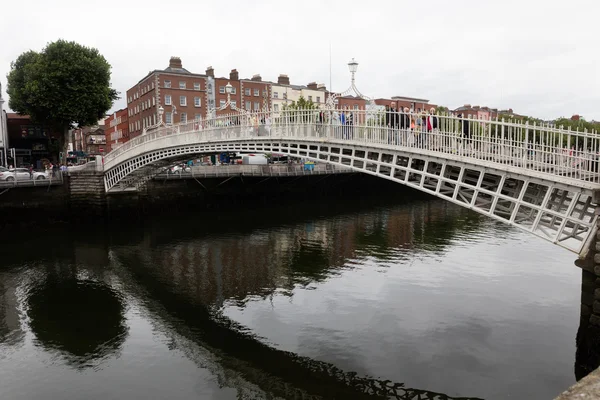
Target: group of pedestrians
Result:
[[411, 129]]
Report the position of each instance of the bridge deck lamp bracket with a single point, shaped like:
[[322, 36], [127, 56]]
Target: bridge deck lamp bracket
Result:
[[332, 100]]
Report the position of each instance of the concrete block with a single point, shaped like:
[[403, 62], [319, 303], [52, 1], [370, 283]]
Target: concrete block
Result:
[[597, 294], [597, 259], [596, 307]]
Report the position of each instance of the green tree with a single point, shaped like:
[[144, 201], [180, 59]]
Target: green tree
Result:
[[64, 85], [295, 110], [441, 110]]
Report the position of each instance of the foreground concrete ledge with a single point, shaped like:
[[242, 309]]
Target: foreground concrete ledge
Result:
[[587, 388]]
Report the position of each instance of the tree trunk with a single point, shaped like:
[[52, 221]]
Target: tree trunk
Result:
[[64, 145]]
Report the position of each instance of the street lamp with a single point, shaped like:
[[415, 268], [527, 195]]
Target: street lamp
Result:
[[353, 66], [332, 100], [161, 111], [228, 88]]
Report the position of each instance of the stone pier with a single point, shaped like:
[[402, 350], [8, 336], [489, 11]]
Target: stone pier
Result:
[[587, 357]]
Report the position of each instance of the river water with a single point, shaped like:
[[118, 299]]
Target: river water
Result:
[[365, 300]]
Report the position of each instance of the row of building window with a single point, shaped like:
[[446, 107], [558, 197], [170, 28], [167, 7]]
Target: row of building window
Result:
[[247, 91], [182, 117], [183, 101], [144, 105], [116, 135], [136, 95], [182, 84]]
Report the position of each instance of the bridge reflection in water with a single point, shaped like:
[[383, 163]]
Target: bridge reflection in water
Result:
[[188, 275]]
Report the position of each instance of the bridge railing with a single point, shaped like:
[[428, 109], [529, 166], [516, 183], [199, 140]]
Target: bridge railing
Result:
[[542, 148]]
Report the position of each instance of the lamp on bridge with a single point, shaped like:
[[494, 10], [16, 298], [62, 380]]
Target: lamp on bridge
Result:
[[332, 99], [353, 67], [233, 106], [161, 112]]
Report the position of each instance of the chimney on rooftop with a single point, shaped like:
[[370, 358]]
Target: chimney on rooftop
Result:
[[175, 62], [283, 80], [312, 86], [321, 86], [210, 71], [256, 78], [234, 75]]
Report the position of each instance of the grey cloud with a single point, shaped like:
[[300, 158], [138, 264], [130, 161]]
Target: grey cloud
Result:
[[536, 56]]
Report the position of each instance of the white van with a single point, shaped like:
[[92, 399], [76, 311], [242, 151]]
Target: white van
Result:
[[254, 159]]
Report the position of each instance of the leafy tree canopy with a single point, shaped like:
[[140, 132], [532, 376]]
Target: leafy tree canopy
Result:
[[301, 104], [63, 85]]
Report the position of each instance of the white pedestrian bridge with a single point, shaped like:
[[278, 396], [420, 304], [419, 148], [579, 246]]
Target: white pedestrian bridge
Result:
[[539, 178]]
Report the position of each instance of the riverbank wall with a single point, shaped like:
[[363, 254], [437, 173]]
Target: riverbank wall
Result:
[[81, 198]]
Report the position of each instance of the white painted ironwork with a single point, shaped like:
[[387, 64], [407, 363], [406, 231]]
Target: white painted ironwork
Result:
[[332, 99], [228, 104], [538, 178], [160, 122]]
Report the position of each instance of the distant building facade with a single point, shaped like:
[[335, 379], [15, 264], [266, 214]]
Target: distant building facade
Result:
[[116, 129], [182, 95], [477, 112], [32, 142]]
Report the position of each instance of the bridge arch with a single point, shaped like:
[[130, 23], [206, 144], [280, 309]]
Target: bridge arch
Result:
[[553, 206]]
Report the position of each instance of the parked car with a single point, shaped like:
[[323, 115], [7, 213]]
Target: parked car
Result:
[[21, 174]]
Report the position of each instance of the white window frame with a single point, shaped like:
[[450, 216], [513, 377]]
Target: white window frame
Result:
[[318, 99], [222, 103], [248, 105], [182, 101], [197, 101], [256, 105], [222, 89], [197, 117], [275, 95], [183, 117], [167, 83], [168, 100], [247, 92], [196, 85], [169, 118], [276, 107], [182, 85], [233, 90], [256, 92]]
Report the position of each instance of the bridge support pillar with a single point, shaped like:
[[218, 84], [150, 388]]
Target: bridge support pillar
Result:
[[87, 193]]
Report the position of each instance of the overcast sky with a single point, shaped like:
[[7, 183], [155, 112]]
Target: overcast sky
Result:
[[539, 57]]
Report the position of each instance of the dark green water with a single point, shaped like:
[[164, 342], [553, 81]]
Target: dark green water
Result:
[[344, 301]]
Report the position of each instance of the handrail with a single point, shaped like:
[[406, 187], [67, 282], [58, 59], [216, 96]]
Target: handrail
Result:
[[542, 148]]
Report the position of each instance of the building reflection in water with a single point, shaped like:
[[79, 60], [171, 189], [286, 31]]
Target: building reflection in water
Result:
[[192, 270], [192, 275]]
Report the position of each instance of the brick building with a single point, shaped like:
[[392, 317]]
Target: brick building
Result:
[[116, 129], [477, 112], [255, 94], [217, 90], [182, 95], [413, 103], [32, 142], [351, 103]]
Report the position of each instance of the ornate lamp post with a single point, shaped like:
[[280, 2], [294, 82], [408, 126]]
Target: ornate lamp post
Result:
[[353, 67], [158, 124], [229, 91], [161, 112]]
